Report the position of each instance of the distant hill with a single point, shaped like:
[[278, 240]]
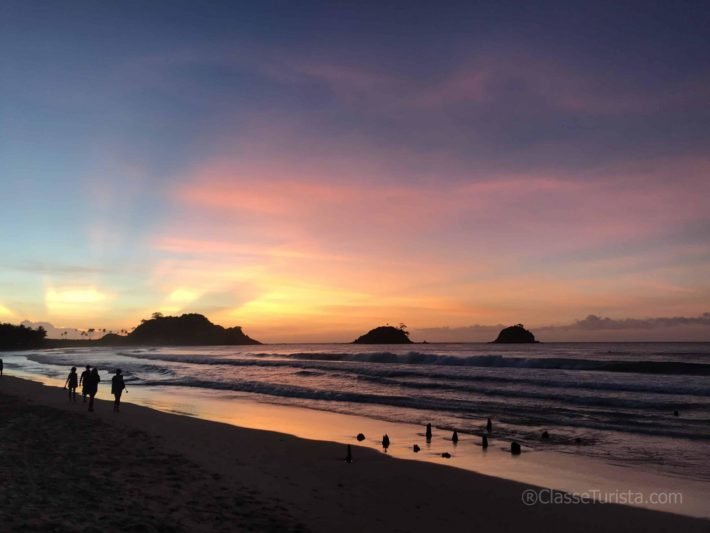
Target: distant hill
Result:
[[186, 330], [385, 335], [515, 335]]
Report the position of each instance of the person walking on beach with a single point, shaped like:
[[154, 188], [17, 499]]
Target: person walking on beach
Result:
[[72, 383], [117, 387], [92, 386], [82, 381], [0, 367]]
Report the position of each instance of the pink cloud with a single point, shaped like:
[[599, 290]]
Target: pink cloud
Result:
[[398, 246], [475, 79], [479, 78], [307, 206]]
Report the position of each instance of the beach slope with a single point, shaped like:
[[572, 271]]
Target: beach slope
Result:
[[65, 469]]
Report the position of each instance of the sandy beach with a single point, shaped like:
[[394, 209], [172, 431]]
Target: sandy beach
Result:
[[65, 469]]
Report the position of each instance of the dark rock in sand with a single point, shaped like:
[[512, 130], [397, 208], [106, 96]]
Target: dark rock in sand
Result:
[[545, 435], [416, 448], [360, 437], [446, 455], [484, 442], [385, 335], [577, 440], [515, 448], [455, 437], [676, 413], [515, 335], [349, 456]]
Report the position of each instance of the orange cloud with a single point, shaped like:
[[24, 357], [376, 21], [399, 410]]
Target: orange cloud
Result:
[[289, 243]]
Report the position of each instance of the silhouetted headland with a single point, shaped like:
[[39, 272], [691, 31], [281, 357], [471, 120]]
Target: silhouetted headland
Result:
[[186, 330], [189, 329], [515, 335], [385, 335]]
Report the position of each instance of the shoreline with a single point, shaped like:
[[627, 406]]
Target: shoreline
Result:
[[548, 468], [313, 483], [551, 467]]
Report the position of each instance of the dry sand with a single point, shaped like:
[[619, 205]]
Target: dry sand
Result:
[[64, 469]]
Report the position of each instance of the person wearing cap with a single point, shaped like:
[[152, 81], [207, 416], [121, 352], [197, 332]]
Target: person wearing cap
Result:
[[117, 388]]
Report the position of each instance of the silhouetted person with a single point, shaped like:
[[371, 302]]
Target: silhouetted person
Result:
[[117, 387], [349, 456], [1, 365], [428, 432], [489, 426], [82, 381], [455, 437], [385, 442], [91, 383], [71, 383]]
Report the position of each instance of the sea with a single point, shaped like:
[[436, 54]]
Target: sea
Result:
[[644, 405]]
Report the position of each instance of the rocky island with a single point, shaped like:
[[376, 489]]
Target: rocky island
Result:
[[385, 335], [515, 335], [186, 330]]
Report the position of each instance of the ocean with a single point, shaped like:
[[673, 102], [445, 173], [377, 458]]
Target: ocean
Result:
[[609, 401]]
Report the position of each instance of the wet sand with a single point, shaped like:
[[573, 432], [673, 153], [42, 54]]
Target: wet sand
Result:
[[64, 469]]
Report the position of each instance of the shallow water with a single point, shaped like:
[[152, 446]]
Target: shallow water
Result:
[[618, 399]]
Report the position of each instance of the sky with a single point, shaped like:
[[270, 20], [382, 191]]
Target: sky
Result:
[[311, 170]]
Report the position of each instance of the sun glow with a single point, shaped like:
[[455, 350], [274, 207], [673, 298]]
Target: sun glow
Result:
[[289, 300], [75, 301], [183, 296]]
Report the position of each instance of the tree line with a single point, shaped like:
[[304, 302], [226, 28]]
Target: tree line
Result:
[[20, 337]]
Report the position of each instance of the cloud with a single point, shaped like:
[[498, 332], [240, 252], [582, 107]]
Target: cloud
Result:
[[54, 332], [593, 328], [76, 300], [499, 247], [58, 268], [597, 323], [492, 77], [492, 102], [282, 200]]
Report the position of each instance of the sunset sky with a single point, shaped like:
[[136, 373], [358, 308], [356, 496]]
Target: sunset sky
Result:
[[310, 170]]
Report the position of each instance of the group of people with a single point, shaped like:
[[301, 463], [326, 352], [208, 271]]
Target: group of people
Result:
[[89, 382]]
